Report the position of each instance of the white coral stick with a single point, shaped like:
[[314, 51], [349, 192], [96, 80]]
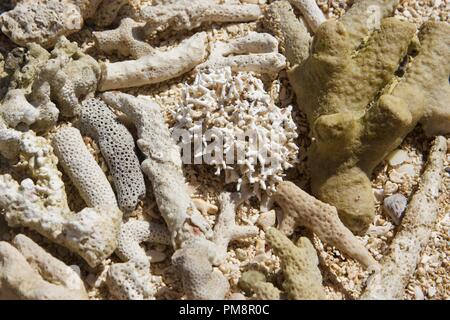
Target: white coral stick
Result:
[[311, 12], [404, 253], [157, 67], [28, 272]]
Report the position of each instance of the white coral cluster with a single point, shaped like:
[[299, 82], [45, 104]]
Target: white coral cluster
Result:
[[221, 106]]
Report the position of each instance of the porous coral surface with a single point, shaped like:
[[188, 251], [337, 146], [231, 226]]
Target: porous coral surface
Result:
[[251, 258]]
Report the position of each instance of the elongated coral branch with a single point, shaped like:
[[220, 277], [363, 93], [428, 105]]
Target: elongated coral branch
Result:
[[256, 52], [117, 147], [302, 278], [42, 205], [404, 252], [28, 272], [301, 209], [157, 67], [311, 12], [82, 168], [187, 14]]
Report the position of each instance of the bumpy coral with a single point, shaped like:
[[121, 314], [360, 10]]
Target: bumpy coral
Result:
[[228, 108], [117, 146], [254, 282], [352, 125], [302, 209], [190, 232], [44, 21], [302, 278], [28, 272], [108, 11], [69, 77], [190, 14], [398, 265], [257, 52], [82, 169], [40, 203], [156, 67]]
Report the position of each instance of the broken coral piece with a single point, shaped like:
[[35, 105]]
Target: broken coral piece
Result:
[[190, 14], [254, 282], [44, 21], [335, 87], [310, 12], [117, 147], [28, 272], [232, 107], [302, 209], [84, 172], [156, 67], [302, 277], [108, 10], [403, 255], [40, 203], [257, 52]]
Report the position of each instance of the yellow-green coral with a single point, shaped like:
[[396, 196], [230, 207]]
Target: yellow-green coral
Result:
[[302, 278], [255, 282]]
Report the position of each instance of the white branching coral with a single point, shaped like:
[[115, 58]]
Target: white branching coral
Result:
[[227, 108], [40, 202], [28, 272]]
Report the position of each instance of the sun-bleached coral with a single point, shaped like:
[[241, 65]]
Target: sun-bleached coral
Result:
[[254, 282], [353, 126], [398, 265], [82, 169], [302, 209], [302, 277], [198, 249], [117, 147], [128, 39], [257, 52], [108, 11], [156, 67], [44, 21], [190, 14], [132, 279], [291, 33], [311, 12], [69, 77], [228, 108], [28, 272], [40, 203]]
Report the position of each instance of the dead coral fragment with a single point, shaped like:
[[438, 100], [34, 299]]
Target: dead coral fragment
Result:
[[301, 209], [254, 282], [188, 14], [44, 21], [81, 167], [404, 252], [302, 278], [28, 272], [257, 52], [117, 147], [156, 67]]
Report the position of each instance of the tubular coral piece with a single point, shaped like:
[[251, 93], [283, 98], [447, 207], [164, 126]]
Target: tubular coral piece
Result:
[[82, 169], [41, 204], [291, 32], [28, 272], [404, 252], [44, 21], [311, 12], [117, 146], [154, 68], [352, 131], [262, 54], [301, 209], [302, 278], [255, 282], [128, 39], [187, 14], [426, 80]]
